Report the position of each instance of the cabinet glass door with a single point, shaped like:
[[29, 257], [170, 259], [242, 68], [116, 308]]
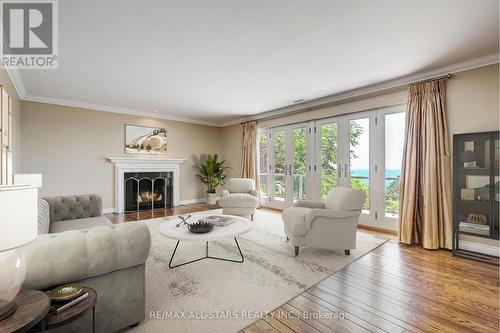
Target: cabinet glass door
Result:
[[475, 185]]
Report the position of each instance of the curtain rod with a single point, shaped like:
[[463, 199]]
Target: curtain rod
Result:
[[447, 76], [328, 104]]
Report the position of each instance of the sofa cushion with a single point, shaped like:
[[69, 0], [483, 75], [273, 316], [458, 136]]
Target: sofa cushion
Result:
[[78, 224], [295, 219], [240, 185], [344, 198], [43, 217], [239, 200]]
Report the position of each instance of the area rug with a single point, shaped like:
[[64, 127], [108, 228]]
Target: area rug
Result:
[[218, 296]]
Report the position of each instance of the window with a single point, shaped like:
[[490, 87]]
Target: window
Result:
[[394, 140]]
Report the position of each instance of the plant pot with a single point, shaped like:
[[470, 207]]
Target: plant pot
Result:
[[211, 199]]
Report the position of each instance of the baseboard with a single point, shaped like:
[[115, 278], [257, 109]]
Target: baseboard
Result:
[[108, 210], [192, 201], [377, 229], [480, 248]]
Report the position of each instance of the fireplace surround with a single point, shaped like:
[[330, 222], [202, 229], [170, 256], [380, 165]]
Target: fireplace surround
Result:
[[146, 167], [147, 190]]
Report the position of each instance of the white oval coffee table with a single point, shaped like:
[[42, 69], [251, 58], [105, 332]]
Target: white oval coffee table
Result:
[[180, 233]]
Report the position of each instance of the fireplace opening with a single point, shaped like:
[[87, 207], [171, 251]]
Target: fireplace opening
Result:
[[148, 190]]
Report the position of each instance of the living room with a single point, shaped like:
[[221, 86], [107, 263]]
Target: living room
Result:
[[219, 166]]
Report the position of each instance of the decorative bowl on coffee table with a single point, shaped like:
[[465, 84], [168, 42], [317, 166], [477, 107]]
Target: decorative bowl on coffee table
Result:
[[200, 227]]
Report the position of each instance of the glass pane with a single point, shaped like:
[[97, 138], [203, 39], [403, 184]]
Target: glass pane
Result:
[[394, 141], [279, 165], [328, 150], [359, 152], [263, 149], [299, 164]]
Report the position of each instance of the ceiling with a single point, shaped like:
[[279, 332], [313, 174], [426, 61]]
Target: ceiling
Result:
[[218, 61]]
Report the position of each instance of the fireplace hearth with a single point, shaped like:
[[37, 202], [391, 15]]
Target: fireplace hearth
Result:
[[148, 190]]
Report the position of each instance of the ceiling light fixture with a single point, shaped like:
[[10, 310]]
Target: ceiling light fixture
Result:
[[298, 100]]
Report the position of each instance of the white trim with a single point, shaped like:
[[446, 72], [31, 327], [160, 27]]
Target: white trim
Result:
[[108, 210], [192, 201], [366, 91], [105, 108], [372, 90], [17, 81], [144, 164], [480, 248], [149, 159]]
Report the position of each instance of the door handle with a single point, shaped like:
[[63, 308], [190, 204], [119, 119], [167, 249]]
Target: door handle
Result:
[[290, 170], [345, 170]]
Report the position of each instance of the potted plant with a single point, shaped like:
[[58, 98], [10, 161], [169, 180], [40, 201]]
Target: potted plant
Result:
[[211, 174]]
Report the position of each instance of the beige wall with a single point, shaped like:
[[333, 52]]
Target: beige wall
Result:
[[472, 106], [232, 142], [69, 147], [16, 109]]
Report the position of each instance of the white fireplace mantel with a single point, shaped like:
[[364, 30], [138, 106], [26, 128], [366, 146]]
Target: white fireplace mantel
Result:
[[125, 164]]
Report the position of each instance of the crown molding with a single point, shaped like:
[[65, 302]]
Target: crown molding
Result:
[[57, 101], [17, 82], [371, 90], [362, 92]]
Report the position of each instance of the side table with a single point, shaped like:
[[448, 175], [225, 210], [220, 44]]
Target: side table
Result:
[[32, 307], [74, 312]]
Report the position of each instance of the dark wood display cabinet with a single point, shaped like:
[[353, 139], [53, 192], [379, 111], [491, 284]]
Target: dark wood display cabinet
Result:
[[476, 191]]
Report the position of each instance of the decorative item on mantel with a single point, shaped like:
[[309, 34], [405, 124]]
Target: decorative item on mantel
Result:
[[211, 174]]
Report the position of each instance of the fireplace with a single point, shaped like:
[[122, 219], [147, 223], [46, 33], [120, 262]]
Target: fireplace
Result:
[[147, 190], [135, 165]]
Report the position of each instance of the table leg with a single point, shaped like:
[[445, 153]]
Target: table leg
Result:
[[93, 319], [206, 256], [231, 260], [42, 326]]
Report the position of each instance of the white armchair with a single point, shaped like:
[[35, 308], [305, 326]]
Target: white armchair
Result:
[[240, 197], [330, 225]]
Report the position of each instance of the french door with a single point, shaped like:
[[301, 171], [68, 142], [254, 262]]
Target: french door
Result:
[[361, 150], [285, 155]]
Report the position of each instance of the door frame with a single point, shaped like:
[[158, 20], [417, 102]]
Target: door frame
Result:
[[376, 216]]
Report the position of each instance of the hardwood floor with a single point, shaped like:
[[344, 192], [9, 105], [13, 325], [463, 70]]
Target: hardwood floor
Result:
[[395, 288], [130, 217]]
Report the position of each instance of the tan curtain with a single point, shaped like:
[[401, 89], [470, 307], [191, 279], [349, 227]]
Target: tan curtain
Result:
[[425, 193], [249, 152]]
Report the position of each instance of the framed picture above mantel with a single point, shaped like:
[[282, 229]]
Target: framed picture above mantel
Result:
[[145, 140]]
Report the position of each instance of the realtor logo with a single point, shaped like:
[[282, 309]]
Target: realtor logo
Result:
[[29, 34]]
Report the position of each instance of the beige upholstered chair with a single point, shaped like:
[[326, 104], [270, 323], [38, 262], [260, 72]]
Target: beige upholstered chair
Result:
[[330, 225], [240, 197]]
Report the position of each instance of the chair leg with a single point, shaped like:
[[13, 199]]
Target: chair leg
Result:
[[287, 239], [347, 252], [296, 250], [251, 217]]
